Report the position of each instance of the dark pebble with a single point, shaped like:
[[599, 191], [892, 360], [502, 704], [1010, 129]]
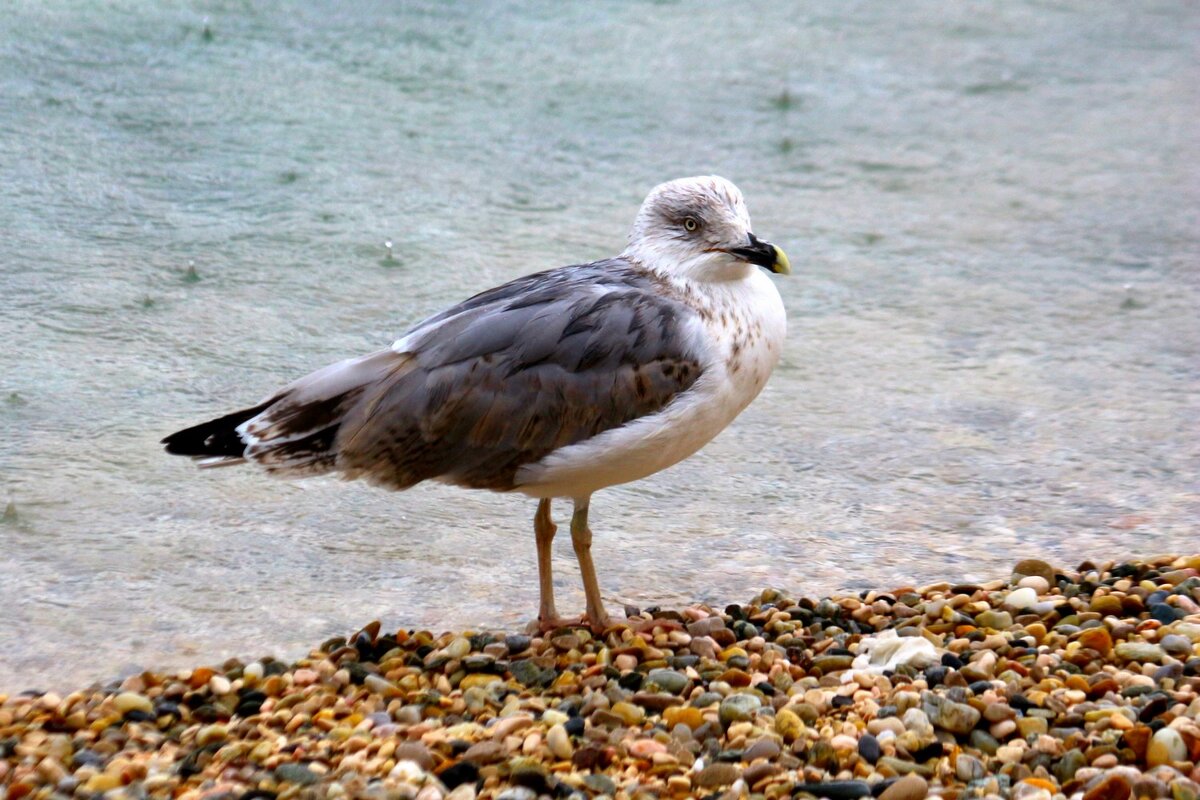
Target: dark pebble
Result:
[[931, 750], [296, 773], [526, 672], [165, 708], [257, 794], [517, 643], [836, 790], [952, 661], [934, 676], [81, 758], [868, 748], [1020, 702], [631, 681], [1155, 705], [1165, 613], [457, 774], [574, 726]]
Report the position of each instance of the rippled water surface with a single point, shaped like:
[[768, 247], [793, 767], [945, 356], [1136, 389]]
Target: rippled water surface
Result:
[[994, 351]]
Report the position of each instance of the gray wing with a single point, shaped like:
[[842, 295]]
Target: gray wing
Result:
[[506, 377]]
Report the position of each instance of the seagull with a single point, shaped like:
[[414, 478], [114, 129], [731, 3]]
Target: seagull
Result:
[[555, 385]]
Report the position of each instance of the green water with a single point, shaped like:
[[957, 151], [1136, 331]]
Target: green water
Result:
[[992, 211]]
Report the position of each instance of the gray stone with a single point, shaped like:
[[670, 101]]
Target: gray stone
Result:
[[948, 715], [296, 773], [600, 784], [668, 680], [738, 708], [969, 768]]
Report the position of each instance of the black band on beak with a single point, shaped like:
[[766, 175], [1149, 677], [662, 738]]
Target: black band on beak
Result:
[[758, 252]]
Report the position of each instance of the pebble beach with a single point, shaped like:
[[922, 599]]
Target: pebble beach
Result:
[[1044, 684]]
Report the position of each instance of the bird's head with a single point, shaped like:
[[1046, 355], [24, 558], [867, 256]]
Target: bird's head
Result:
[[699, 228]]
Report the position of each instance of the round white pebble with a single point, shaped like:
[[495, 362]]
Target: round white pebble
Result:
[[1021, 598]]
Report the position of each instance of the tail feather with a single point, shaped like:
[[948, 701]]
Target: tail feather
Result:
[[294, 432], [216, 438]]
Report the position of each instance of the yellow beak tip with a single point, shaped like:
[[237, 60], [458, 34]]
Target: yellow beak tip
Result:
[[782, 266]]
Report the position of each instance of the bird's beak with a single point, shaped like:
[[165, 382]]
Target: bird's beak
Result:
[[764, 254]]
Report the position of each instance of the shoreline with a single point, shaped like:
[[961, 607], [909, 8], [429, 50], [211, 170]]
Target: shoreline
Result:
[[1050, 683]]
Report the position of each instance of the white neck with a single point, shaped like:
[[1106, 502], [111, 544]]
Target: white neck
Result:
[[703, 267]]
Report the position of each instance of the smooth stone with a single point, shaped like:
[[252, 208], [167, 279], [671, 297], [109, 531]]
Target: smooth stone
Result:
[[902, 767], [1113, 786], [949, 715], [1183, 789], [910, 787], [132, 701], [1176, 645], [296, 773], [382, 686], [478, 662], [969, 768], [738, 708], [788, 724], [484, 752], [415, 752], [668, 680], [458, 647], [517, 643], [1032, 726], [869, 749], [822, 756], [559, 742], [1034, 566], [1035, 582], [1072, 761], [832, 663], [1021, 598], [1107, 604], [1141, 652], [761, 771], [211, 733], [994, 712], [995, 620], [1166, 746], [518, 793], [762, 748], [685, 715], [600, 784], [646, 748], [706, 627], [525, 672], [982, 740], [1097, 639], [716, 775]]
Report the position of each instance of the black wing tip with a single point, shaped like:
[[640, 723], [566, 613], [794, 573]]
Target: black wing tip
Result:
[[217, 437]]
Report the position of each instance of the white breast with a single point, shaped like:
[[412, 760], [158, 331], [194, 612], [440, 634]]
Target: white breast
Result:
[[745, 325]]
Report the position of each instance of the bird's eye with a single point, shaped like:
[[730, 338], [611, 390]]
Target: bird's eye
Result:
[[690, 224]]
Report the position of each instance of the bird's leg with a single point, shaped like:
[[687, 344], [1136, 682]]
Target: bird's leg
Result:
[[581, 538], [544, 529]]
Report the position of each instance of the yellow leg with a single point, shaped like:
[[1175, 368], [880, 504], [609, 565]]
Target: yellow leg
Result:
[[581, 538], [544, 528]]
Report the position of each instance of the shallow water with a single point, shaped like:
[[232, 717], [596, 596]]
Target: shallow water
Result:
[[994, 349]]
